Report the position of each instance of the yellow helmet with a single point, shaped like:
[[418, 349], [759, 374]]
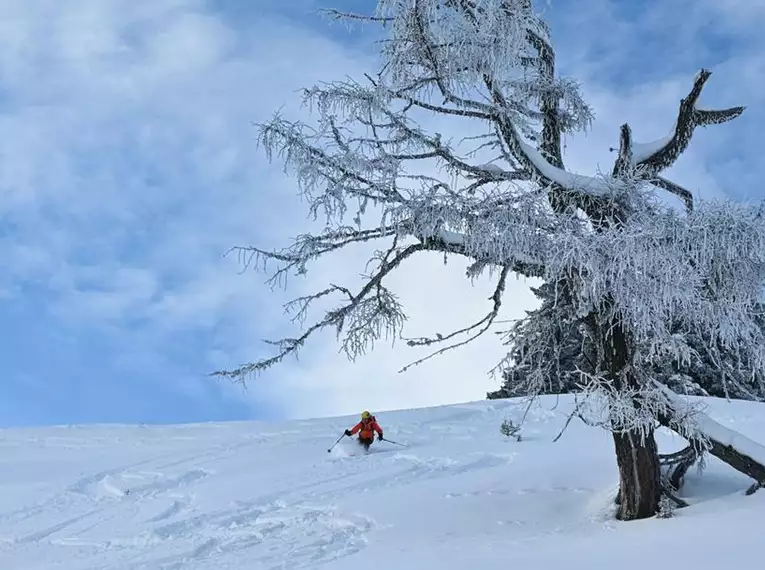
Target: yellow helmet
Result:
[[365, 415]]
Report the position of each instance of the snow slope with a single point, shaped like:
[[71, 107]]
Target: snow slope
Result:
[[269, 496]]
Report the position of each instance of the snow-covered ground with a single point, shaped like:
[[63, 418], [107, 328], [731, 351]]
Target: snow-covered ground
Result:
[[268, 496]]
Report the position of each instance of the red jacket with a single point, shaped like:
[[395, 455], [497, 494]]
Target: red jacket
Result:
[[367, 428]]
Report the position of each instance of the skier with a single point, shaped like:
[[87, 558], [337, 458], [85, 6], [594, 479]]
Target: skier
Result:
[[366, 429]]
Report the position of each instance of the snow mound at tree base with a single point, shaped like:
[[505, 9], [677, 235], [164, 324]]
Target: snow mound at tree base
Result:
[[269, 496]]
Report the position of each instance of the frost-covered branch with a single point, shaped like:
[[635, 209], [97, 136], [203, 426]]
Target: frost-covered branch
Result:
[[350, 16], [307, 248], [479, 327], [659, 155], [452, 242], [366, 317], [454, 61], [673, 188], [648, 160]]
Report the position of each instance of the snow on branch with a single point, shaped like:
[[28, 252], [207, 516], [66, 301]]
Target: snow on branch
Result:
[[456, 44], [588, 185], [661, 154], [739, 451], [650, 159]]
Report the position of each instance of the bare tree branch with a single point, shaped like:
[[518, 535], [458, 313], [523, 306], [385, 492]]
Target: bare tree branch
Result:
[[676, 189], [623, 163], [653, 158], [484, 324], [378, 319], [340, 15]]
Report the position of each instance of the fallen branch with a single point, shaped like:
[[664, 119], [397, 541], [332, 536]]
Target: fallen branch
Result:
[[743, 454], [676, 465]]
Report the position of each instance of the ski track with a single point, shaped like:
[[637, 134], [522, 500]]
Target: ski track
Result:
[[296, 525], [203, 501]]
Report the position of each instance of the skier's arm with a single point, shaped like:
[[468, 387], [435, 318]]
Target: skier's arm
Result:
[[378, 429], [355, 428]]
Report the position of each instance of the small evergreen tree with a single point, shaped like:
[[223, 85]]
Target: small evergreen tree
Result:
[[547, 348], [549, 351]]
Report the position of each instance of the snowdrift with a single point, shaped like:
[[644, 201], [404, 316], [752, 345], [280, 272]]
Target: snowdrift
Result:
[[269, 496]]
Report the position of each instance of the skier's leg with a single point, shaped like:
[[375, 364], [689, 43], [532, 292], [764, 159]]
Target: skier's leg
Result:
[[365, 442]]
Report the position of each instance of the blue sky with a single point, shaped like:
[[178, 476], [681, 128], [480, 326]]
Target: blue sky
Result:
[[128, 166]]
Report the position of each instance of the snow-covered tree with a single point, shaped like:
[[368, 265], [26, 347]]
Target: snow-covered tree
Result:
[[631, 265], [710, 369], [549, 349]]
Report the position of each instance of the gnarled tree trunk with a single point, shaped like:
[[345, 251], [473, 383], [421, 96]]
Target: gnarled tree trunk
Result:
[[639, 475], [637, 454]]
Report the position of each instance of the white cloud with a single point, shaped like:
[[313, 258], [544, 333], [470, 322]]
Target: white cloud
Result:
[[129, 167], [439, 300], [129, 164]]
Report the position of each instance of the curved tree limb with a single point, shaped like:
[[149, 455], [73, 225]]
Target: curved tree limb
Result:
[[676, 465], [654, 158], [368, 330], [673, 188], [484, 324], [648, 160]]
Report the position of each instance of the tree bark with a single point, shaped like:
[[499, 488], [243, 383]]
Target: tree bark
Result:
[[738, 460], [639, 475], [637, 454]]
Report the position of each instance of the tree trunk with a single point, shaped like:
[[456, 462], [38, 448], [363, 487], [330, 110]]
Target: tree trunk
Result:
[[637, 454], [639, 475]]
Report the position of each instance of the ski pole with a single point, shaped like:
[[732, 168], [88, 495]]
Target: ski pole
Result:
[[394, 442], [334, 444]]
